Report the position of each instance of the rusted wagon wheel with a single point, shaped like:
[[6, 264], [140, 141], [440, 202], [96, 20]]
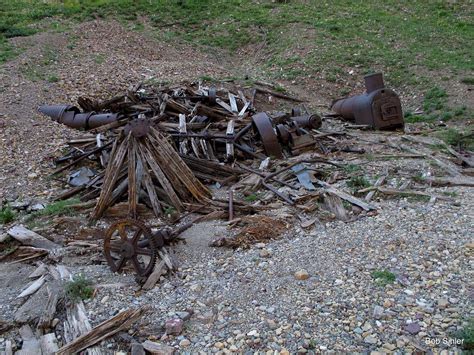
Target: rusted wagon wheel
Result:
[[129, 240]]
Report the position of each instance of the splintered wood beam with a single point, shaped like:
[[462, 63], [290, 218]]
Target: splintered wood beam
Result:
[[106, 329], [176, 166], [111, 175], [132, 180], [160, 176], [150, 188]]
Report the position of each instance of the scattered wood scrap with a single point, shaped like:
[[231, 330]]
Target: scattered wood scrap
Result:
[[28, 237], [120, 322]]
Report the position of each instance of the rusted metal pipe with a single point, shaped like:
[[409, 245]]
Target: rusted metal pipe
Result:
[[72, 117], [308, 121], [379, 107]]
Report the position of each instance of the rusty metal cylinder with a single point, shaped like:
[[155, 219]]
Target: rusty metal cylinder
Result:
[[72, 117], [374, 82], [308, 121]]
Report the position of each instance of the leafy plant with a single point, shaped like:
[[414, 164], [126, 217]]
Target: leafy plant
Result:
[[383, 277], [79, 288], [6, 215], [467, 336], [358, 182]]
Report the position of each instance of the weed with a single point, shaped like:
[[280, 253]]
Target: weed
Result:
[[99, 58], [252, 197], [59, 207], [7, 215], [468, 81], [457, 138], [417, 198], [169, 210], [312, 344], [383, 277], [434, 100], [53, 78], [352, 168], [467, 335], [450, 193], [79, 289], [419, 178], [53, 209], [358, 182]]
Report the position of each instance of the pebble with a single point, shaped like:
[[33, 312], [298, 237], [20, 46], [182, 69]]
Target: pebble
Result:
[[184, 343], [174, 326], [302, 274], [370, 339]]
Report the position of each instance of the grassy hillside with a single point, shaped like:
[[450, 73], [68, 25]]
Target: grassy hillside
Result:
[[417, 44]]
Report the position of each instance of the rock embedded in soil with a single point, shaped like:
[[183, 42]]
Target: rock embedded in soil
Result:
[[302, 274]]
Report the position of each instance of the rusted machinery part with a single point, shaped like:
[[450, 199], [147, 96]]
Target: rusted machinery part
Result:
[[72, 117], [296, 111], [283, 134], [313, 121], [130, 240], [138, 126], [56, 112], [263, 125], [379, 108], [373, 82]]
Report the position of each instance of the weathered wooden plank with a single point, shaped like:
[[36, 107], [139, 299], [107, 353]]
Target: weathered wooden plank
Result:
[[28, 237]]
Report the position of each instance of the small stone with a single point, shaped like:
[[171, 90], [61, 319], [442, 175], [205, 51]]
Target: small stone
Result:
[[370, 339], [264, 253], [104, 299], [302, 275], [32, 175], [260, 245], [253, 333], [284, 352], [55, 322], [413, 328], [184, 343], [219, 345], [409, 292], [389, 346], [174, 326], [378, 312], [387, 303], [338, 282], [195, 288], [184, 315], [443, 303], [233, 348]]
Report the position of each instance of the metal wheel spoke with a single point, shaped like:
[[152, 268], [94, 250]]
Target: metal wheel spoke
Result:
[[143, 251]]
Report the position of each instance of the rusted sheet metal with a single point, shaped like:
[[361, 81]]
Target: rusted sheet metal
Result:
[[263, 125], [379, 107], [72, 117]]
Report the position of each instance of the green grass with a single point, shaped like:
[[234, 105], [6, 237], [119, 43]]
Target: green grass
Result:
[[79, 289], [7, 215], [435, 108], [298, 38], [467, 335], [252, 197], [358, 182], [383, 277], [457, 138], [54, 209], [351, 168]]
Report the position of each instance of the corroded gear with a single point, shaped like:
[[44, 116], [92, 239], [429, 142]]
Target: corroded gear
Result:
[[130, 240]]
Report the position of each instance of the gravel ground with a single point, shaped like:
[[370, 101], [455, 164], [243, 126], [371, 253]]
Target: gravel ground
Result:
[[243, 300]]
